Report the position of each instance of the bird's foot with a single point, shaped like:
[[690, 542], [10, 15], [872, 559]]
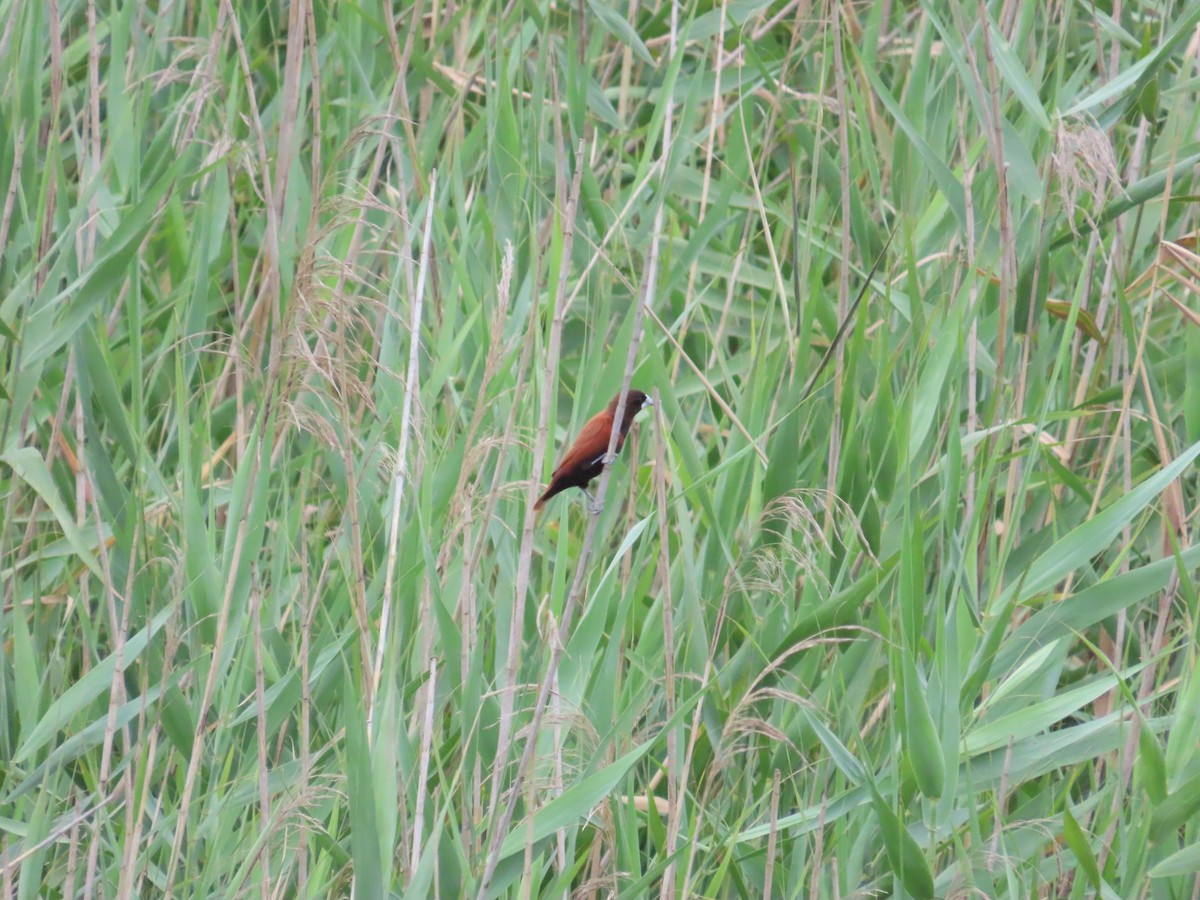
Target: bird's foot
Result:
[[595, 507]]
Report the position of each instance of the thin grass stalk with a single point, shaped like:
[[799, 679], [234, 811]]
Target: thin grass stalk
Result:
[[781, 290], [1008, 243], [630, 511], [1112, 265], [308, 609], [72, 854], [266, 416], [290, 108], [655, 169], [94, 144], [14, 182], [772, 836], [356, 233], [307, 606], [269, 284], [508, 688], [18, 352], [557, 780], [500, 829], [357, 585], [54, 444], [526, 891], [193, 769], [481, 541], [423, 760], [268, 293], [314, 87], [468, 611], [128, 884], [1001, 799], [491, 366], [968, 171], [1134, 368], [714, 111], [264, 765], [675, 808], [818, 853], [203, 77], [1146, 685], [843, 132], [695, 731], [685, 889], [400, 472], [990, 100], [116, 693], [626, 76], [713, 393], [10, 864]]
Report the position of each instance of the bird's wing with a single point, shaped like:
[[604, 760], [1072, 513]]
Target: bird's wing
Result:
[[591, 443]]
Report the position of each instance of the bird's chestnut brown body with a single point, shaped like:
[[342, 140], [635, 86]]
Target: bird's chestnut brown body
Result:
[[585, 459]]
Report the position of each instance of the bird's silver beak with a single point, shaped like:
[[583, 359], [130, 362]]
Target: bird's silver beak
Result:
[[649, 401]]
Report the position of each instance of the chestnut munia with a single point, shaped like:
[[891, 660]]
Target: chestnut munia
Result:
[[585, 459]]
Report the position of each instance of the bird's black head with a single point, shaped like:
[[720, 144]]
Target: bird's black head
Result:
[[635, 402]]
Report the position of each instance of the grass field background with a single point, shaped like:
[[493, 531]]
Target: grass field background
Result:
[[300, 302]]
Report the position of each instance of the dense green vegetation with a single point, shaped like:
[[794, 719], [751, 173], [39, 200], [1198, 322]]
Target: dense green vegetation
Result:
[[300, 302]]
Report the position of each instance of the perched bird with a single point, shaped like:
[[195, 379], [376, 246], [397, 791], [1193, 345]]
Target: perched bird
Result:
[[585, 459]]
